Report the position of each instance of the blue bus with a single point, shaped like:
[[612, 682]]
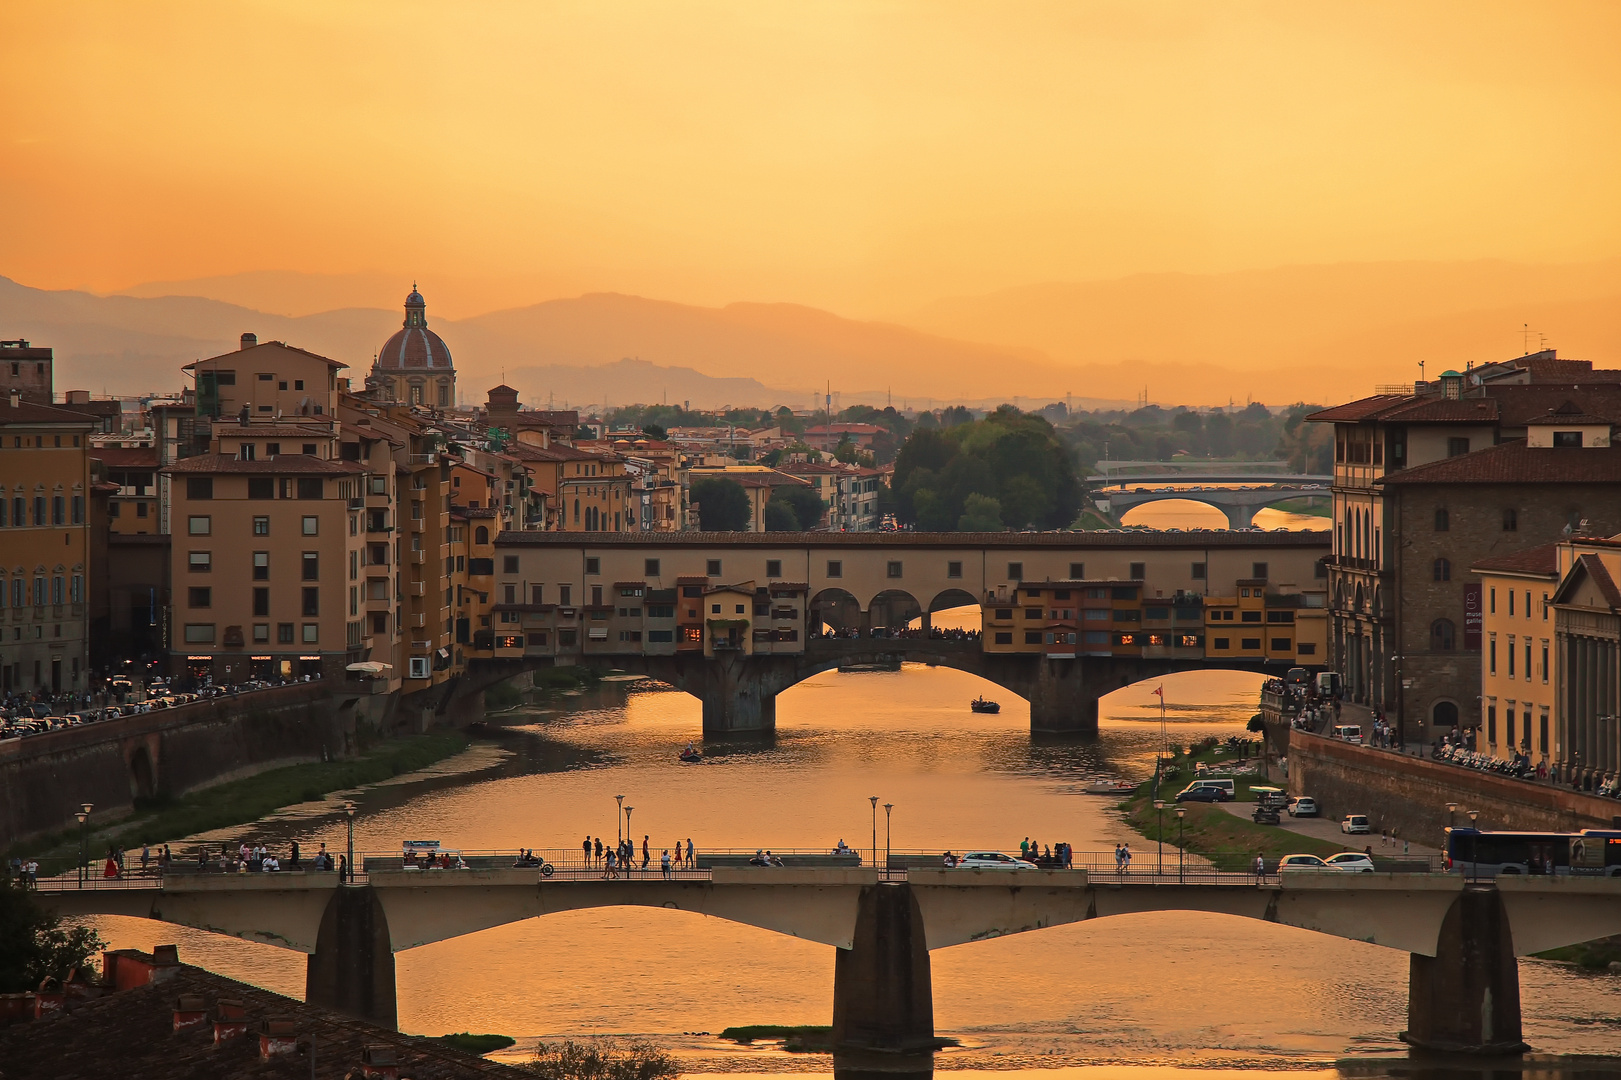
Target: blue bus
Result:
[[1483, 853]]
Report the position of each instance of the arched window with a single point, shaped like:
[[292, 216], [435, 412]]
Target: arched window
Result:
[[1442, 522], [576, 511], [481, 535], [1445, 714], [1443, 570], [1442, 636]]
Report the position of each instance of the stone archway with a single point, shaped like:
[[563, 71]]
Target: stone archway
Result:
[[892, 609], [835, 608], [142, 775]]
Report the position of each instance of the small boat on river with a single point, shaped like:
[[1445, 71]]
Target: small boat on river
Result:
[[979, 704], [1109, 787], [690, 756]]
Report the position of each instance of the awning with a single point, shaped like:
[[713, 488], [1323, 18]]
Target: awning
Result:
[[370, 667]]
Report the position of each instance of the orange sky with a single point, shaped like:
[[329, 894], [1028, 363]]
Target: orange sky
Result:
[[864, 156]]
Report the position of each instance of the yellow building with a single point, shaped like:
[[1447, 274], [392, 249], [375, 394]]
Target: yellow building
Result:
[[1517, 671], [44, 547]]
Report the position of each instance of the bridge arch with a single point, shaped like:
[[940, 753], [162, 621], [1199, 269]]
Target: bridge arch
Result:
[[142, 774], [892, 609], [834, 607], [946, 599]]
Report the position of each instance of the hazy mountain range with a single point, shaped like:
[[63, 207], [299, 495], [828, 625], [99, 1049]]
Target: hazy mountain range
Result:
[[1317, 333]]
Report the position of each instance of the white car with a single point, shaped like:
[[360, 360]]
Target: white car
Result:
[[992, 860], [1356, 824], [1302, 862], [1305, 806], [1355, 861]]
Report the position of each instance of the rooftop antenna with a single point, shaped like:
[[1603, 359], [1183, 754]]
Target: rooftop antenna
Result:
[[1421, 371], [1525, 339]]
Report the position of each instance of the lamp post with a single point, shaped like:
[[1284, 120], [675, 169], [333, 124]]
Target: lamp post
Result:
[[349, 813], [888, 806], [874, 800], [1452, 812], [619, 819], [1159, 810], [1181, 812], [628, 811], [84, 840]]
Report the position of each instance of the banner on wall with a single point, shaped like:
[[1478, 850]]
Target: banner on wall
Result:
[[1473, 616]]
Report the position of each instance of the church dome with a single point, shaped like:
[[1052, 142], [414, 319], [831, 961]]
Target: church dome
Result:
[[414, 347]]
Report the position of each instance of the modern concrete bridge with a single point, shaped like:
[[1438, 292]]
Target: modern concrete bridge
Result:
[[1463, 939]]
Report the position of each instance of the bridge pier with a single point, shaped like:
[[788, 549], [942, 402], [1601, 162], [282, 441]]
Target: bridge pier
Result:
[[1466, 998], [739, 694], [1239, 517], [352, 968], [1063, 700], [883, 996]]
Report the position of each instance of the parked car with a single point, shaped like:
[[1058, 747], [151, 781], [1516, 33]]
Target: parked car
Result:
[[992, 860], [1198, 793], [1304, 806], [1302, 862], [1356, 824], [1351, 860]]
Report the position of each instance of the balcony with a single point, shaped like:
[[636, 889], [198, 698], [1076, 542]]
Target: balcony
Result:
[[418, 620], [416, 588], [415, 555]]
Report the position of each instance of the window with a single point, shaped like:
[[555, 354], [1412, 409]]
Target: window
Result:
[[1442, 635], [1491, 654], [261, 487], [1491, 601], [284, 633], [199, 596], [1077, 571], [650, 567], [1567, 438], [1442, 520], [1249, 643], [1527, 659], [78, 509], [199, 525], [261, 601], [1198, 571], [1544, 665], [1511, 601], [1015, 571], [835, 568], [1442, 570], [1220, 643], [773, 568], [199, 633], [1004, 639], [261, 566], [1032, 612], [310, 487], [894, 568], [593, 565], [310, 566], [312, 633], [200, 562], [1306, 648], [1510, 651], [261, 633], [312, 602], [509, 594], [1032, 637], [1249, 616], [1139, 571], [261, 526], [1282, 644], [1511, 519], [712, 568], [199, 487], [1491, 725], [1258, 571], [1457, 446], [714, 609], [310, 525]]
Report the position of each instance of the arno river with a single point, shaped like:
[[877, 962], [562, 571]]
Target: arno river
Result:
[[1129, 995]]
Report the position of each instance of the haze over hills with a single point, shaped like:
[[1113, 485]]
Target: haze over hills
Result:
[[1315, 333]]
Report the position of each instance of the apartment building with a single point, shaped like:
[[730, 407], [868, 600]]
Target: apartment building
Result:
[[45, 488], [1518, 678]]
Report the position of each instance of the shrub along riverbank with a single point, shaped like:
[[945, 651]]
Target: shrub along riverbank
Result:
[[238, 802], [1228, 841]]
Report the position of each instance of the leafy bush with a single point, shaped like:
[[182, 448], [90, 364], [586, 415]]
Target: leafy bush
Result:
[[723, 505], [34, 945], [598, 1059]]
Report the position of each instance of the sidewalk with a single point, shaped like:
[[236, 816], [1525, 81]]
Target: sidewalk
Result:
[[1322, 829]]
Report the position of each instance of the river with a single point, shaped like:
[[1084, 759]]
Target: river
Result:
[[1136, 995]]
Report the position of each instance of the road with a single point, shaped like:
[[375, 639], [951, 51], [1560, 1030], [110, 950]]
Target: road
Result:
[[1324, 829]]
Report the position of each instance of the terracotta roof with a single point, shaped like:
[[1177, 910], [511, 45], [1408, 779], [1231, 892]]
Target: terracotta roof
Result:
[[1515, 463], [126, 457], [1595, 569], [1368, 408], [1542, 561], [129, 1035], [26, 412], [1061, 539], [327, 360], [1522, 405], [290, 464], [1568, 413], [228, 428], [525, 452]]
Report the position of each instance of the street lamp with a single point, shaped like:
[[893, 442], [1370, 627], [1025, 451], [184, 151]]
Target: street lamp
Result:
[[1159, 810], [619, 820], [1473, 814], [874, 800], [1452, 812], [888, 806], [628, 811], [84, 840], [1181, 812], [349, 812]]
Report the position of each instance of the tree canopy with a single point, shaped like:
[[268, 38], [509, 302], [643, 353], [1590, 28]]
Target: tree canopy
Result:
[[34, 944], [723, 505], [1014, 462], [804, 507]]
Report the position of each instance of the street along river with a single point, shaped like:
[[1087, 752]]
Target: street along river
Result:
[[1149, 990]]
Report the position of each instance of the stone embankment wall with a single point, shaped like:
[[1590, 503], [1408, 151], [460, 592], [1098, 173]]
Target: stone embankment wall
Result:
[[45, 778], [1409, 794]]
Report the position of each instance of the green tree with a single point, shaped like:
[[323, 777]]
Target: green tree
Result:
[[723, 505], [34, 945], [1012, 458], [845, 451], [981, 513], [779, 517], [801, 499]]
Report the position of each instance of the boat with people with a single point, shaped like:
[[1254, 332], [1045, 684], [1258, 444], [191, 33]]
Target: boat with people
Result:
[[691, 755], [1110, 787], [979, 704]]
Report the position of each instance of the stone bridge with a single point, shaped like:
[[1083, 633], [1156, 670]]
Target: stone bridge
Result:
[[1238, 504], [1463, 939], [739, 693]]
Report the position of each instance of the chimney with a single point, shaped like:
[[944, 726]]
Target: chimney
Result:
[[249, 340], [16, 398], [277, 1036], [230, 1019], [379, 1062], [78, 397], [189, 1012]]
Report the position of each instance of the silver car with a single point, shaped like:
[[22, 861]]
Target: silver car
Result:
[[992, 860]]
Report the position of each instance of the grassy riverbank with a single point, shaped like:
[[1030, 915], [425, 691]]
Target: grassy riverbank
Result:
[[1228, 841], [1310, 505], [239, 802]]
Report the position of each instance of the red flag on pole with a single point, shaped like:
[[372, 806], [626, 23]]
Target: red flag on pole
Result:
[[1160, 692]]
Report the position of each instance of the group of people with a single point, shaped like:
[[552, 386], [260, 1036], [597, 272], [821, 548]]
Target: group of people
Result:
[[24, 871], [1055, 857], [621, 858], [1122, 858], [934, 633]]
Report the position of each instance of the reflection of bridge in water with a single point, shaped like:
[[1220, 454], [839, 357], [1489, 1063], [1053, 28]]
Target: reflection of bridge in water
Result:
[[1463, 938]]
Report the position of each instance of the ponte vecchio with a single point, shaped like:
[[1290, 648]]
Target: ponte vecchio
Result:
[[1064, 617]]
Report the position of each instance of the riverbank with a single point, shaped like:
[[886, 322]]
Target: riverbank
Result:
[[240, 802]]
